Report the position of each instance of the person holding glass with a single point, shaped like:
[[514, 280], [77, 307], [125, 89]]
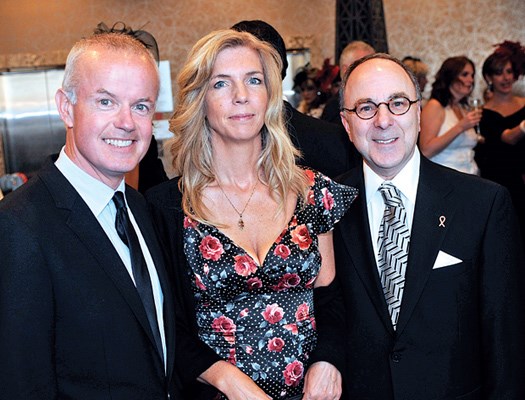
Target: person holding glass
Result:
[[448, 134], [249, 231], [502, 157]]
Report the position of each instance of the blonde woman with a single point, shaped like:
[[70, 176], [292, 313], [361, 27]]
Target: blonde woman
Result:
[[248, 230]]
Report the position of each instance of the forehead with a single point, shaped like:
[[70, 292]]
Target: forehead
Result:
[[244, 57], [468, 67], [106, 66], [378, 79]]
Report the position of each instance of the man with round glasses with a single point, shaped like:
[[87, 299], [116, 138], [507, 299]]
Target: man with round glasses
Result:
[[428, 258]]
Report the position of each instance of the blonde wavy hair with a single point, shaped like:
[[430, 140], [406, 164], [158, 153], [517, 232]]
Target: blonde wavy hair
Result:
[[191, 146]]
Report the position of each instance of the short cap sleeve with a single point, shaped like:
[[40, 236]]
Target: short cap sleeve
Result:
[[327, 202]]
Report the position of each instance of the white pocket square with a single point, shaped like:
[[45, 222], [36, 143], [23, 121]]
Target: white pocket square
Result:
[[444, 260]]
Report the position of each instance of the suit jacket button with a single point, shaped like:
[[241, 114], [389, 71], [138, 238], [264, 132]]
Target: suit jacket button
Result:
[[395, 356]]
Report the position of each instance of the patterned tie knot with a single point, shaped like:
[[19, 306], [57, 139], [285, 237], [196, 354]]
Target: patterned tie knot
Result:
[[391, 195]]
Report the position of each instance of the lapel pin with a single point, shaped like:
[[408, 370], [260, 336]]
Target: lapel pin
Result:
[[442, 220]]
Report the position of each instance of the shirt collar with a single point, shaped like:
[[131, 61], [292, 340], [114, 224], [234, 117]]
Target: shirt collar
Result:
[[406, 180], [96, 194]]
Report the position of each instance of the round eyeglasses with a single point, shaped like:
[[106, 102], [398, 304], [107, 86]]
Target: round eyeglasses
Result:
[[368, 109]]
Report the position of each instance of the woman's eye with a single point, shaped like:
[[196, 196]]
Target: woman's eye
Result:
[[255, 81], [105, 102], [219, 84]]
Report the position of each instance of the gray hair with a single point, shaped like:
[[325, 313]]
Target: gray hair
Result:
[[113, 41]]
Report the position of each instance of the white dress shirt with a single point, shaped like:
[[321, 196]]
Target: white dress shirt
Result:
[[98, 197], [406, 181]]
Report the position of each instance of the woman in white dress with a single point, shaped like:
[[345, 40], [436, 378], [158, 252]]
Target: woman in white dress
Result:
[[447, 133]]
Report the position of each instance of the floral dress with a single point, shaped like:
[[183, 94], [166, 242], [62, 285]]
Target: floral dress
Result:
[[261, 317]]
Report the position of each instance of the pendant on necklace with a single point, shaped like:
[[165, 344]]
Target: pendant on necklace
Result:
[[240, 223]]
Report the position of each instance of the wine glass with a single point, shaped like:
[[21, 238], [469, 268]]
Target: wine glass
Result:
[[475, 104]]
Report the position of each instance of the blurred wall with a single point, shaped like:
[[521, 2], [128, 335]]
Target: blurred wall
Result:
[[41, 32]]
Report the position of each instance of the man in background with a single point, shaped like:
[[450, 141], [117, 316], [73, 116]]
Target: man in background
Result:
[[353, 51], [324, 146], [85, 307], [428, 258]]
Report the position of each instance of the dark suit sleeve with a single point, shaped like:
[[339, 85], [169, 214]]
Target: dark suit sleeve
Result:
[[194, 356], [503, 303], [27, 316]]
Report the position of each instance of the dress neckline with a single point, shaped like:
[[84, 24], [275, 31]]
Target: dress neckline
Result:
[[285, 230]]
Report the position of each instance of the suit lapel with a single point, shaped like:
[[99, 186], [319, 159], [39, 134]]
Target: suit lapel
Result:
[[85, 226], [150, 236], [355, 232], [428, 231]]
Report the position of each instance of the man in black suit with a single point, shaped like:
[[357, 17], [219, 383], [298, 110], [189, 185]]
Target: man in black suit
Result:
[[428, 259], [324, 146], [81, 315]]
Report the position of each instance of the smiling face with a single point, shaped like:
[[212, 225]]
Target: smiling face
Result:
[[502, 81], [386, 141], [110, 124], [236, 97], [464, 83]]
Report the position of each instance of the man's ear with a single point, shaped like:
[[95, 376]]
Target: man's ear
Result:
[[65, 107], [345, 124]]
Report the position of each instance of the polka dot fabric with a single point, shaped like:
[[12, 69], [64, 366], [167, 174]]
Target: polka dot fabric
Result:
[[262, 317]]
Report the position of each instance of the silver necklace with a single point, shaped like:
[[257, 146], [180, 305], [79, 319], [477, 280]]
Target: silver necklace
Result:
[[240, 223]]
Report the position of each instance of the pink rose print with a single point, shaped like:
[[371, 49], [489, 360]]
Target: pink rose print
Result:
[[311, 198], [328, 199], [243, 313], [303, 312], [244, 265], [225, 326], [232, 359], [282, 251], [273, 313], [291, 280], [198, 282], [293, 373], [275, 344], [310, 283], [254, 283], [311, 176], [278, 240], [189, 223], [292, 328], [211, 248], [301, 237], [294, 221], [314, 324], [287, 281]]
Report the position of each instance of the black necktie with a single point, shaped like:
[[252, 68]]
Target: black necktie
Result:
[[138, 264]]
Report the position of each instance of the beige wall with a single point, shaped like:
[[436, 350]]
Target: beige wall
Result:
[[436, 29], [40, 32]]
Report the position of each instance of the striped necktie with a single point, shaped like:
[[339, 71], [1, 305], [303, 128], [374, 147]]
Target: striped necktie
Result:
[[393, 242]]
